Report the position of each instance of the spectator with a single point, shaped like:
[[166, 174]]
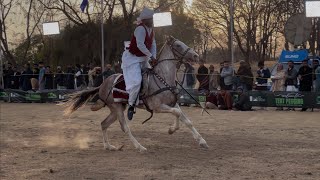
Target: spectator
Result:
[[317, 73], [25, 80], [305, 77], [117, 68], [85, 71], [91, 75], [42, 80], [221, 78], [214, 79], [263, 75], [314, 68], [35, 77], [245, 76], [99, 77], [227, 75], [212, 101], [79, 79], [291, 78], [203, 78], [70, 84], [15, 77], [243, 103], [190, 78], [48, 78], [108, 71], [7, 76], [279, 81], [60, 78], [224, 100]]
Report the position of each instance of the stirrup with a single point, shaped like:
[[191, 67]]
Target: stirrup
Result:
[[131, 112]]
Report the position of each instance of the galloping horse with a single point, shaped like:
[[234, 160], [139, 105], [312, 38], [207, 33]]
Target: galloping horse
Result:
[[159, 90]]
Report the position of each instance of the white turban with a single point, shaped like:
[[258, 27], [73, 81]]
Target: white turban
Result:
[[146, 13]]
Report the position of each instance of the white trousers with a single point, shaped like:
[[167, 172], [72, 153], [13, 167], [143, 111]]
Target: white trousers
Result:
[[133, 78]]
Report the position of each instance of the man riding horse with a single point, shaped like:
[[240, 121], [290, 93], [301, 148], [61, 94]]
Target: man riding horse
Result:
[[142, 49]]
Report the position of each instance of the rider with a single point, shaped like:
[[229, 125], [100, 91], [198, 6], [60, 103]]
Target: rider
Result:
[[142, 49]]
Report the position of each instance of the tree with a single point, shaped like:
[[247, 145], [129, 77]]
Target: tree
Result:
[[5, 8]]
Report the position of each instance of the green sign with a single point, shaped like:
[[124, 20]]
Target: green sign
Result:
[[33, 97], [52, 95], [202, 98]]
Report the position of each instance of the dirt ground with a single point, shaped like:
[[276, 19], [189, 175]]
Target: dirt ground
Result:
[[37, 142]]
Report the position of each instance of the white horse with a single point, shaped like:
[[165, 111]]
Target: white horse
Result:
[[160, 96]]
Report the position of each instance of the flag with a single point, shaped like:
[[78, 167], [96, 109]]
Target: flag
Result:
[[83, 5]]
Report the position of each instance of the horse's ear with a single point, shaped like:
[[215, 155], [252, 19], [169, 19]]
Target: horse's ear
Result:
[[170, 39]]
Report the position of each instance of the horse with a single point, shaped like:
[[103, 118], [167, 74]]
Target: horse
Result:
[[160, 97]]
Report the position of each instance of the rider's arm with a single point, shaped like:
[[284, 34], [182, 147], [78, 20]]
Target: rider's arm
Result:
[[140, 34], [154, 48]]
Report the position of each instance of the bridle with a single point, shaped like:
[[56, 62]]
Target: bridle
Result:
[[177, 57]]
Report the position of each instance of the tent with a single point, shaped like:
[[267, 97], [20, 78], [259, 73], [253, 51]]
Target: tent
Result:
[[295, 56]]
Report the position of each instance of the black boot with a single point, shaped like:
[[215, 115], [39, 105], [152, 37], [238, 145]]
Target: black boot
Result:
[[131, 112]]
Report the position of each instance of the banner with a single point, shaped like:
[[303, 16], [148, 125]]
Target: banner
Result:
[[257, 98]]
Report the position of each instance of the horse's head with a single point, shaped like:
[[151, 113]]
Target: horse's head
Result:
[[182, 51]]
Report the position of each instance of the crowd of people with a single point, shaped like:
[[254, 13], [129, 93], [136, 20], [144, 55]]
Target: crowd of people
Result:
[[216, 86], [39, 77]]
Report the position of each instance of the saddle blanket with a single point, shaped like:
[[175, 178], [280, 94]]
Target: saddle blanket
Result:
[[119, 93]]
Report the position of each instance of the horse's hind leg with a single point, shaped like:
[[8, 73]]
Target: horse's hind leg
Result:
[[112, 117], [126, 128]]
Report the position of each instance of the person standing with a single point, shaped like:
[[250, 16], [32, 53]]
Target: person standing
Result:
[[279, 81], [203, 78], [49, 78], [314, 68], [35, 77], [263, 75], [214, 79], [305, 77], [108, 71], [291, 78], [79, 78], [59, 78], [141, 50], [91, 74], [42, 72], [245, 76], [227, 75], [25, 80], [317, 74], [7, 76]]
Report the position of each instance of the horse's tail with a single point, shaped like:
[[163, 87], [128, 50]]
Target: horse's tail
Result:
[[78, 99]]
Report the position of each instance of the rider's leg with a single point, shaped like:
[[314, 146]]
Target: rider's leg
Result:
[[132, 77]]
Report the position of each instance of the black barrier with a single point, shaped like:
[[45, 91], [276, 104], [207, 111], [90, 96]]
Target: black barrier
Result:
[[257, 98]]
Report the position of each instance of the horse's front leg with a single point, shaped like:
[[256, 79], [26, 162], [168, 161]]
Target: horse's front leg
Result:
[[178, 112], [176, 124]]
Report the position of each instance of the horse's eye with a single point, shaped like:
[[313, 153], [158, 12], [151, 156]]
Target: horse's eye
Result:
[[178, 45]]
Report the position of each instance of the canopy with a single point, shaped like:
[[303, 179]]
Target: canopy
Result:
[[295, 56]]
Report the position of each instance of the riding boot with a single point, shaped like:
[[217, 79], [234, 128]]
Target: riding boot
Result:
[[131, 112]]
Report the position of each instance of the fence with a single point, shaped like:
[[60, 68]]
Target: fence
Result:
[[257, 98]]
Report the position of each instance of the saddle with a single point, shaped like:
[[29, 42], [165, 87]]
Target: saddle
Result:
[[119, 93]]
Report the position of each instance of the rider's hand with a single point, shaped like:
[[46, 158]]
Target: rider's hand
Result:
[[153, 61]]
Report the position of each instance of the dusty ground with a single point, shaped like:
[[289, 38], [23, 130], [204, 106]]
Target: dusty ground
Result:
[[38, 143]]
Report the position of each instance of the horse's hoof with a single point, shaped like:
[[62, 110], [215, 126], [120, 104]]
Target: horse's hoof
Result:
[[172, 130], [203, 144], [142, 149], [111, 148]]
